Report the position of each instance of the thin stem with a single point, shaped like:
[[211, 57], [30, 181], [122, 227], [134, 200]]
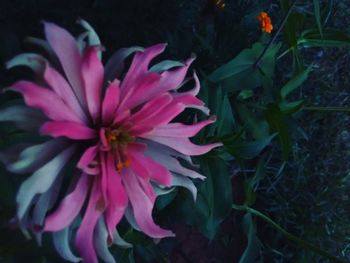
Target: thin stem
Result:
[[280, 27], [288, 235]]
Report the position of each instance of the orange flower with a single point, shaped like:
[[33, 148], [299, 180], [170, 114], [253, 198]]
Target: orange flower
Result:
[[266, 25]]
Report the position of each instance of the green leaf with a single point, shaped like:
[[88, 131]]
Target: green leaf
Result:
[[317, 11], [242, 72], [295, 82], [291, 107], [252, 251], [331, 38], [278, 124], [248, 150]]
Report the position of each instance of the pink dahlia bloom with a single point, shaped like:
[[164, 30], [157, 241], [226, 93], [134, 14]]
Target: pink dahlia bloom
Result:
[[115, 126]]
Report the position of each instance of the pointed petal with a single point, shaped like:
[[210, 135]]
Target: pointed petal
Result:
[[92, 70], [69, 208], [179, 180], [110, 102], [67, 129], [142, 206], [147, 168], [100, 241], [115, 64], [34, 61], [61, 243], [119, 241], [45, 100], [118, 200], [172, 164], [84, 241], [68, 53], [41, 181], [183, 145], [24, 117], [33, 157], [87, 161], [139, 65], [180, 130], [61, 87]]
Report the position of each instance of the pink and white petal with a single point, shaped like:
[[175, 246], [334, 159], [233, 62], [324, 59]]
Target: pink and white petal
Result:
[[139, 65], [110, 102], [118, 199], [69, 55], [69, 208], [84, 241], [88, 162], [169, 80], [172, 79], [70, 130], [183, 145], [142, 206], [134, 94], [151, 108], [161, 118], [45, 100], [172, 164], [154, 170], [180, 130], [61, 87], [92, 71]]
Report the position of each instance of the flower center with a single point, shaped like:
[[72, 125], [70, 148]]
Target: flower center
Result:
[[116, 141]]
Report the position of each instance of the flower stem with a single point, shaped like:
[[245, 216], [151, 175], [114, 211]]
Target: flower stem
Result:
[[288, 235], [280, 27]]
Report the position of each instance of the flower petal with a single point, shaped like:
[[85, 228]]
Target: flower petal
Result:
[[183, 145], [61, 87], [45, 100], [41, 181], [69, 208], [68, 53], [84, 240], [180, 130], [179, 180], [142, 206], [61, 243], [118, 200], [24, 117], [110, 102], [67, 129], [86, 162], [92, 70], [100, 241]]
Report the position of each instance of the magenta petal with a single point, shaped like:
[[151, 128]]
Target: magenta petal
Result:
[[45, 100], [69, 55], [86, 162], [183, 145], [92, 70], [67, 129], [110, 102], [118, 200], [61, 87], [84, 241], [142, 206], [180, 130], [139, 65], [69, 208], [154, 170], [161, 118]]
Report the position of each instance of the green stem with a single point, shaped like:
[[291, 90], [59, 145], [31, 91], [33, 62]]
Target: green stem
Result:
[[288, 235], [285, 18]]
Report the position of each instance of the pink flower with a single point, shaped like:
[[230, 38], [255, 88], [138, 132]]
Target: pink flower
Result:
[[116, 129]]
